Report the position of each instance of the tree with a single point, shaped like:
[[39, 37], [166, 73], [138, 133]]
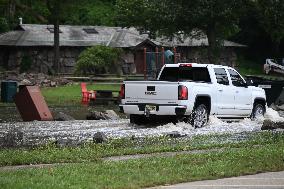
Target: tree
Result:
[[271, 18], [54, 6], [31, 11], [216, 18], [57, 10]]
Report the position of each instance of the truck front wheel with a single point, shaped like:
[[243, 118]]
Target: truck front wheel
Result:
[[258, 111], [199, 116]]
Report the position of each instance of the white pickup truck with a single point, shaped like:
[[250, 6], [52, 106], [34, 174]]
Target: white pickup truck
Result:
[[191, 92]]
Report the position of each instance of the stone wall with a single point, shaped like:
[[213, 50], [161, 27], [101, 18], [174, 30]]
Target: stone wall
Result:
[[199, 54], [41, 58]]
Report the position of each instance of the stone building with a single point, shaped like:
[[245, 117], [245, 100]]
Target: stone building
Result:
[[35, 43]]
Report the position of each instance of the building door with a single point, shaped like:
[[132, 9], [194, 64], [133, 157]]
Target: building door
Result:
[[139, 61]]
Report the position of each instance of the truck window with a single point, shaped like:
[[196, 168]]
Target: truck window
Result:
[[237, 80], [198, 74], [221, 76]]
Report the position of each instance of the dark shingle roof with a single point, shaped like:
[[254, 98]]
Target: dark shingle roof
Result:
[[41, 35]]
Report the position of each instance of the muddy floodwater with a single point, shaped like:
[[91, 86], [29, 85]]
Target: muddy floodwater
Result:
[[79, 131], [10, 113]]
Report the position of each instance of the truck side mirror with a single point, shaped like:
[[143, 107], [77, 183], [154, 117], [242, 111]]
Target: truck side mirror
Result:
[[249, 82]]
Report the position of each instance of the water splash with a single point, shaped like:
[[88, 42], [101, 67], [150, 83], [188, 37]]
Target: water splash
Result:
[[273, 115], [84, 130]]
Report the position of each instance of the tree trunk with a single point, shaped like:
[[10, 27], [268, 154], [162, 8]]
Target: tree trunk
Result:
[[11, 10], [56, 37], [213, 46], [276, 49], [56, 46]]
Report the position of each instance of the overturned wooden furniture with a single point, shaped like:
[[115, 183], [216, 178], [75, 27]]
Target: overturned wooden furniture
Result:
[[31, 104]]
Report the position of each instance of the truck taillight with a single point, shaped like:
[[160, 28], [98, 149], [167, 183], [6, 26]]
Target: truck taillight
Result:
[[185, 65], [182, 92], [122, 91]]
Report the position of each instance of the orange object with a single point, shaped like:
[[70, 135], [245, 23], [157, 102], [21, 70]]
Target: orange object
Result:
[[31, 104], [87, 95]]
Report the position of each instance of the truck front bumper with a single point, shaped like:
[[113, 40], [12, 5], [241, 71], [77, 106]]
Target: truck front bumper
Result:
[[140, 109]]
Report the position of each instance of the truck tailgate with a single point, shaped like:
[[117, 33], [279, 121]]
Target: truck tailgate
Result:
[[146, 91]]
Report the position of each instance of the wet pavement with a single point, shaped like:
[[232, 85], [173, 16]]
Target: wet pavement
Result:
[[270, 180]]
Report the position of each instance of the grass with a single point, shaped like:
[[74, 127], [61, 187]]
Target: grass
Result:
[[247, 67], [151, 171], [71, 95], [93, 152]]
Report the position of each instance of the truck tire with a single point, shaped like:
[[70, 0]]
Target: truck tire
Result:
[[257, 111], [137, 119], [199, 116]]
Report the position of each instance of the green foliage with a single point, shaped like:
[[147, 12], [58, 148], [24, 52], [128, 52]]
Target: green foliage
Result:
[[26, 63], [216, 19], [84, 12], [4, 26], [271, 18], [160, 17], [97, 59], [91, 12], [249, 67]]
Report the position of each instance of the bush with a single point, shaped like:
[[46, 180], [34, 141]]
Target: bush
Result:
[[97, 59]]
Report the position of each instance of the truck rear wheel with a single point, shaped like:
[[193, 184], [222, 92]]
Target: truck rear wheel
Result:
[[199, 116], [137, 119]]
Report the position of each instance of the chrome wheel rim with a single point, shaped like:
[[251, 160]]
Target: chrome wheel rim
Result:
[[258, 112], [200, 117]]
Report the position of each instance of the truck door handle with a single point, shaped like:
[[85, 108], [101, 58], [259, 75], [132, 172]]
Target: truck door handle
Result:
[[237, 91], [220, 90]]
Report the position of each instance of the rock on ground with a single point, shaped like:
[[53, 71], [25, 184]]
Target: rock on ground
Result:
[[107, 115], [63, 117], [270, 125], [99, 137]]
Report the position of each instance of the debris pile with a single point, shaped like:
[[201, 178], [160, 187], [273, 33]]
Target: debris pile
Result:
[[39, 79]]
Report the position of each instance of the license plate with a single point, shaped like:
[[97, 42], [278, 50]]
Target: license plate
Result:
[[150, 107]]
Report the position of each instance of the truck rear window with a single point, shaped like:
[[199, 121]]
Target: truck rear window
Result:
[[200, 74]]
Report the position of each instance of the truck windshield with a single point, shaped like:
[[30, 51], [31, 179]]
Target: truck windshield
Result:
[[198, 74]]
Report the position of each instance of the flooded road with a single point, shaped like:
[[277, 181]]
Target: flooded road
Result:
[[79, 131], [10, 113]]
